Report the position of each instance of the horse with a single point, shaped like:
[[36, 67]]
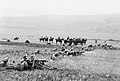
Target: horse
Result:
[[68, 41], [46, 39], [76, 41], [16, 38], [84, 41], [51, 39], [42, 39], [65, 41], [59, 40]]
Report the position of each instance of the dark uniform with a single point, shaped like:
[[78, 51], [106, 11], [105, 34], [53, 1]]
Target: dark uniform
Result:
[[31, 62], [62, 48], [23, 64]]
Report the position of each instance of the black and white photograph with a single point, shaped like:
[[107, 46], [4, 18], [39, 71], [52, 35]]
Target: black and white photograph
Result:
[[59, 40]]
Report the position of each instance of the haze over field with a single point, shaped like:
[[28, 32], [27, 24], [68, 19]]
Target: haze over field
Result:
[[77, 18], [75, 25]]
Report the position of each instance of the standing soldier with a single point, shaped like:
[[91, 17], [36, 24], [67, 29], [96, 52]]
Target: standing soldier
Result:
[[105, 42], [96, 42]]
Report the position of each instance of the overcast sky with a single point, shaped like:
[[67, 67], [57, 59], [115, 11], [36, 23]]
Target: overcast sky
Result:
[[58, 7]]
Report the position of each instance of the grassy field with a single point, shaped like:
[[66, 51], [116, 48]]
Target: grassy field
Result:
[[98, 65]]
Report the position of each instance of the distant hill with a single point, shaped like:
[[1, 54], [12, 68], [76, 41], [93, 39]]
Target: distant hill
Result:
[[109, 24]]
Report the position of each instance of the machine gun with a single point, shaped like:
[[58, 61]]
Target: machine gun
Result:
[[41, 61], [40, 64]]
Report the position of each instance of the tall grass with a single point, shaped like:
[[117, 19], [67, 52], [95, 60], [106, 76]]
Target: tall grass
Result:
[[64, 73], [54, 75]]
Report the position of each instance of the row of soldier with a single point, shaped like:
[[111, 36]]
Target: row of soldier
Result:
[[26, 63], [29, 61]]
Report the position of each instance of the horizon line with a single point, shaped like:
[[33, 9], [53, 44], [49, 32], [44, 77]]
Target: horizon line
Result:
[[63, 15]]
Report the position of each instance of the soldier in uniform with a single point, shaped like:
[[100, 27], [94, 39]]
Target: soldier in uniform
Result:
[[62, 48], [24, 58], [55, 55], [4, 62], [23, 64], [31, 62]]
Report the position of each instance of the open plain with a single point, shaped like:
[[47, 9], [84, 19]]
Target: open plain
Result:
[[97, 65]]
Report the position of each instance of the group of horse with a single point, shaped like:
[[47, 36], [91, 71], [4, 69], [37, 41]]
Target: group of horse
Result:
[[46, 39], [68, 40]]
